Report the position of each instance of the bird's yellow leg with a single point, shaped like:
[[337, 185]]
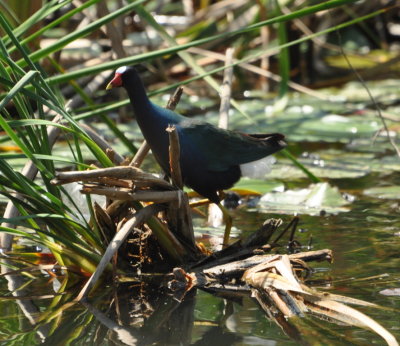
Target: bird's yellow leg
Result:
[[225, 215], [228, 224], [199, 203]]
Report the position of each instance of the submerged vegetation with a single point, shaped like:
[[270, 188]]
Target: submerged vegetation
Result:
[[56, 58]]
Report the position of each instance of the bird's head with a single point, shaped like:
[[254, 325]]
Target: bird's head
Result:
[[121, 75]]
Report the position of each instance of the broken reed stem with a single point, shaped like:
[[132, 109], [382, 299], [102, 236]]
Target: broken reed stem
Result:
[[174, 157], [128, 195], [174, 99], [238, 267], [174, 147], [94, 136], [140, 155], [293, 223], [138, 218], [121, 172], [179, 214], [225, 92], [145, 148], [105, 223]]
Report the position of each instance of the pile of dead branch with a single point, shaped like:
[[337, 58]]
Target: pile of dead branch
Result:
[[246, 265]]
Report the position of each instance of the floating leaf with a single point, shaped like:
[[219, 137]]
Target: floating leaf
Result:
[[312, 200], [384, 192]]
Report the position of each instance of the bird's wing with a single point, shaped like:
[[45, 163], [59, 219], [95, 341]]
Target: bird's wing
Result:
[[222, 149]]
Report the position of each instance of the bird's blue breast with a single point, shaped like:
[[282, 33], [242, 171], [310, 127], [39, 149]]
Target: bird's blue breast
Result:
[[153, 124]]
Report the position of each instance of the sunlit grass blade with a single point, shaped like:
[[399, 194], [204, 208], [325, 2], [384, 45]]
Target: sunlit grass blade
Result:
[[73, 253], [47, 9], [44, 52], [6, 127], [187, 57], [116, 63], [168, 51]]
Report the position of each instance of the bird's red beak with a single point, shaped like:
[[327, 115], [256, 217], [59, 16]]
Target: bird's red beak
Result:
[[115, 82]]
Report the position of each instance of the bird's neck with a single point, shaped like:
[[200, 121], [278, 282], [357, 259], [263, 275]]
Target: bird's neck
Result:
[[150, 117], [139, 100]]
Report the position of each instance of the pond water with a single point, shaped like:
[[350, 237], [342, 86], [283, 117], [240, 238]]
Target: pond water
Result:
[[364, 237], [366, 262]]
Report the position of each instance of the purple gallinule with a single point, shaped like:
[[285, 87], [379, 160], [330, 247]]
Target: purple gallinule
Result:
[[210, 157]]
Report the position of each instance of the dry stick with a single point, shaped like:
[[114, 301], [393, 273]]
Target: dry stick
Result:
[[104, 221], [143, 196], [179, 213], [174, 157], [242, 247], [173, 214], [116, 36], [140, 155], [292, 223], [225, 92], [277, 316], [121, 172], [139, 218], [174, 99], [116, 158], [203, 277], [127, 184]]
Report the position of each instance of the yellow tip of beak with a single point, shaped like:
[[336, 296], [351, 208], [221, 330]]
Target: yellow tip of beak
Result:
[[109, 86]]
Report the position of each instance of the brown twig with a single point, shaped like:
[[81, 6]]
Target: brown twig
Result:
[[137, 219], [140, 155], [237, 268], [179, 214], [174, 157], [117, 159], [243, 247], [122, 172], [129, 195], [175, 98]]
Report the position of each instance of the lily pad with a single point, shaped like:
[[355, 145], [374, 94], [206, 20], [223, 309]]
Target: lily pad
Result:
[[312, 200], [336, 164], [384, 192], [285, 170]]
